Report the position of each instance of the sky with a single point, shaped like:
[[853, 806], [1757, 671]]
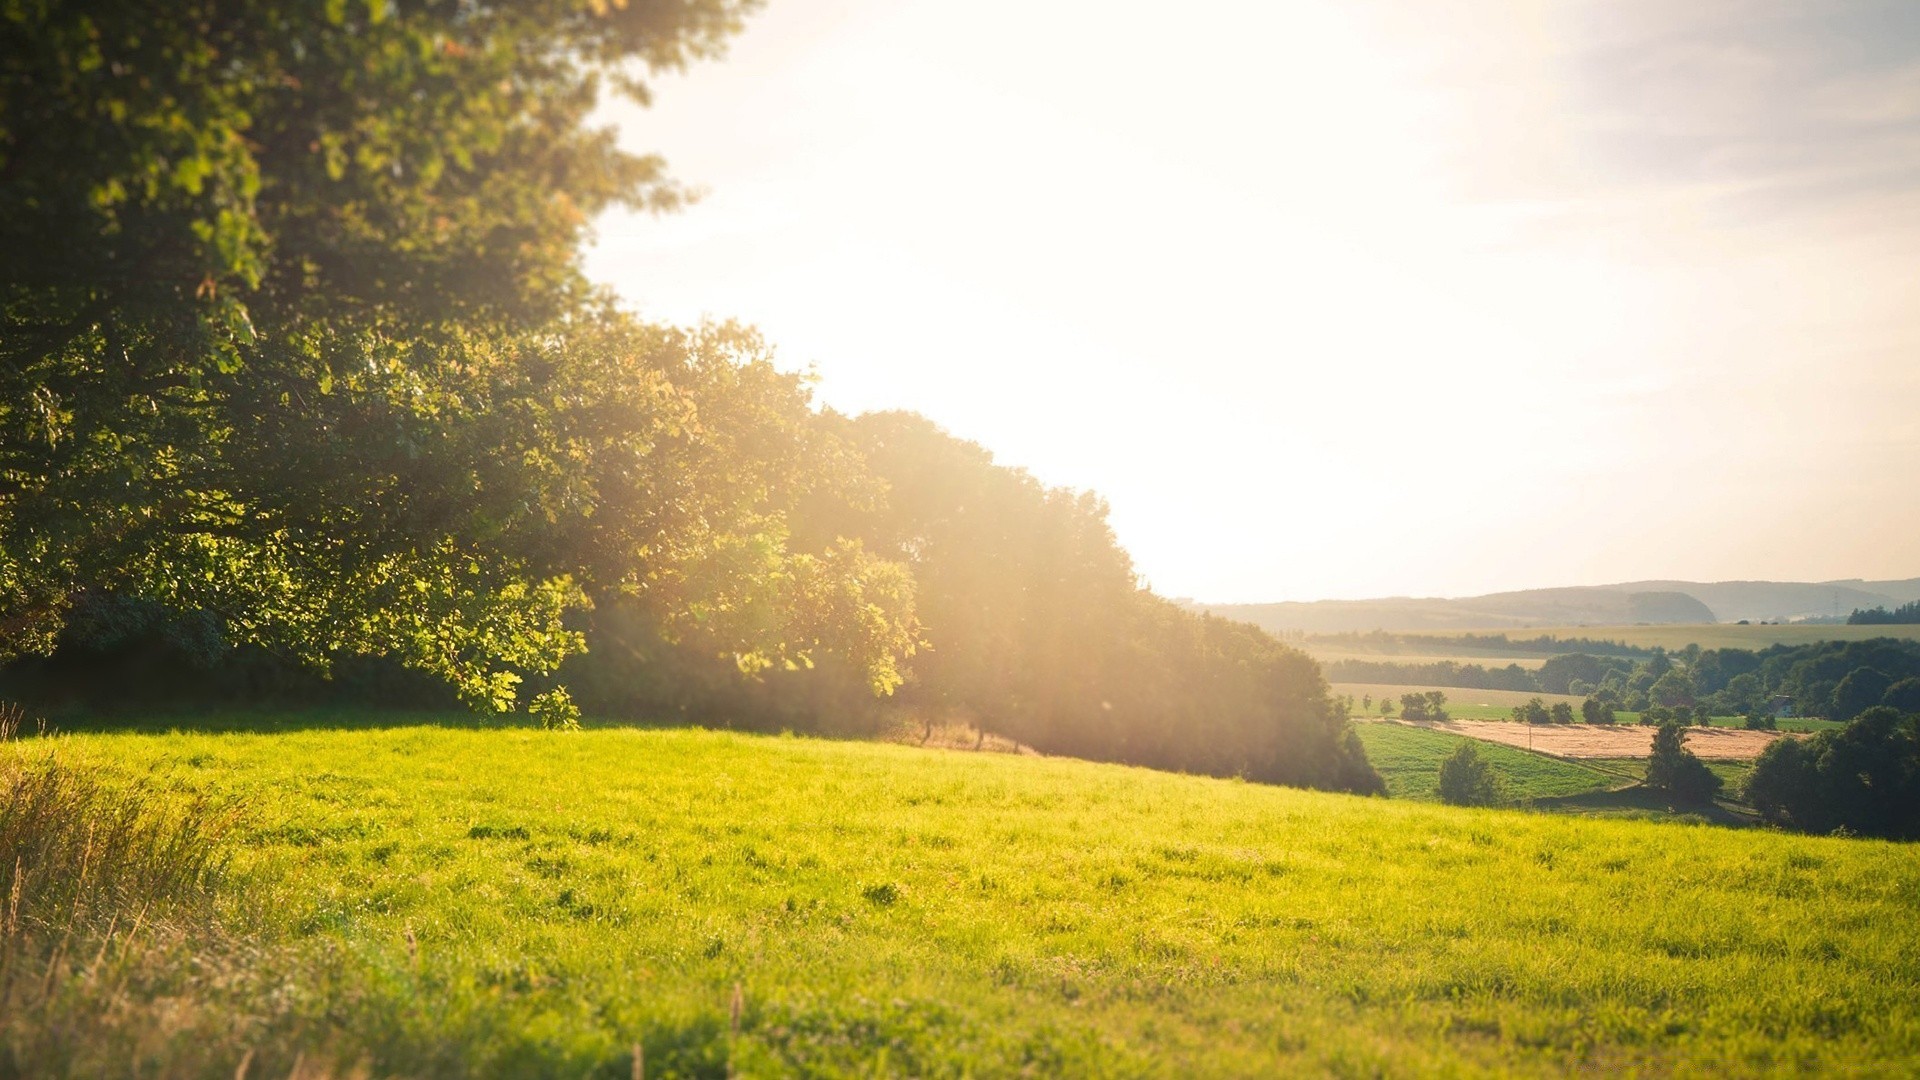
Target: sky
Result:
[[1342, 298]]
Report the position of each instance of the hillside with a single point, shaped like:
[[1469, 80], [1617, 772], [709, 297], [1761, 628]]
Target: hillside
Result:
[[435, 902], [1532, 607], [1628, 603]]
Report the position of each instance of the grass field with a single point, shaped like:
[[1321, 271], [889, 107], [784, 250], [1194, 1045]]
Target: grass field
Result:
[[1462, 703], [1408, 758], [512, 902]]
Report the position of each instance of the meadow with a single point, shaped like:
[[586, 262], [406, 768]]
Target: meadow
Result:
[[440, 901], [1463, 703]]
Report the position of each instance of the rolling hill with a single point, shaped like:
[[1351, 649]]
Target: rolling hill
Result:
[[1625, 603]]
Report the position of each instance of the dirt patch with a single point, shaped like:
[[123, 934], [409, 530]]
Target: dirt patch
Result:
[[1601, 741]]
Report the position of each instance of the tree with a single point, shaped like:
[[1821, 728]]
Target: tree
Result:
[[1429, 705], [1466, 779], [1562, 712], [1862, 689], [1597, 710], [1386, 705], [1903, 695], [1533, 711], [1864, 778], [1673, 689], [293, 331], [1674, 769]]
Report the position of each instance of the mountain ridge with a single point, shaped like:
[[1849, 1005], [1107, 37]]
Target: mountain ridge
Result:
[[1653, 601]]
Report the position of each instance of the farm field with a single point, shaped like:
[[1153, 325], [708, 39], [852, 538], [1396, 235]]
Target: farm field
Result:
[[1462, 703], [539, 904], [1602, 741], [1408, 758]]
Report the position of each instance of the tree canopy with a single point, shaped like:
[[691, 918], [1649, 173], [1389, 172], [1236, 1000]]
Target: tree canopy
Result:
[[294, 332]]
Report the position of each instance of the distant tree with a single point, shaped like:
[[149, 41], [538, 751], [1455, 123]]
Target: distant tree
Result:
[[1429, 705], [1880, 616], [1658, 664], [1674, 769], [1366, 703], [1533, 711], [1655, 715], [1562, 712], [1579, 687], [1702, 716], [1862, 689], [1466, 778], [1760, 721], [1597, 710], [1903, 695], [1386, 706], [1864, 778], [1673, 689]]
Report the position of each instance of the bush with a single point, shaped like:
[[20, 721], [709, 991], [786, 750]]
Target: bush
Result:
[[1466, 779], [1561, 712], [1597, 710]]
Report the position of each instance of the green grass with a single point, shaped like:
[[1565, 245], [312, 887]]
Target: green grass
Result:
[[1462, 704], [1409, 760], [522, 903]]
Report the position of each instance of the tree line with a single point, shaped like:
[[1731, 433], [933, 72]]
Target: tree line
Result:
[[304, 394], [1904, 615]]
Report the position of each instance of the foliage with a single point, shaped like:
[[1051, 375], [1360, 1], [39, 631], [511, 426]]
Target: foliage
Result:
[[1037, 629], [1599, 709], [1674, 769], [1864, 778], [295, 338], [1905, 614], [1430, 705], [1532, 711], [1466, 779]]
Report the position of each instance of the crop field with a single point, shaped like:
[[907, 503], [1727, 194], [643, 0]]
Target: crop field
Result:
[[445, 901], [1408, 758], [1602, 741], [1462, 703]]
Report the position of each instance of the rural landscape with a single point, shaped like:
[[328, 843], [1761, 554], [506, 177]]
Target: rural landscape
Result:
[[425, 654]]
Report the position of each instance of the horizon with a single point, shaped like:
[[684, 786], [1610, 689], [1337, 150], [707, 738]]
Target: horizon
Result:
[[1203, 602], [1356, 300]]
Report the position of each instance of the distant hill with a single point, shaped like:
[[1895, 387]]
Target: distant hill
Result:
[[1593, 605], [1776, 600]]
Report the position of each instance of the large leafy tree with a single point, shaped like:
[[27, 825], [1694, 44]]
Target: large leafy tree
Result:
[[293, 331]]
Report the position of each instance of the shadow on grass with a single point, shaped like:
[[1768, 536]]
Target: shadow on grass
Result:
[[1645, 802]]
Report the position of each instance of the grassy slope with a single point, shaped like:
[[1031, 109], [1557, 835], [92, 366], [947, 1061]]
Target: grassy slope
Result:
[[890, 909], [1409, 759]]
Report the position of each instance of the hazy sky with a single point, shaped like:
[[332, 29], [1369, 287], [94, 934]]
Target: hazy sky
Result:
[[1344, 298]]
